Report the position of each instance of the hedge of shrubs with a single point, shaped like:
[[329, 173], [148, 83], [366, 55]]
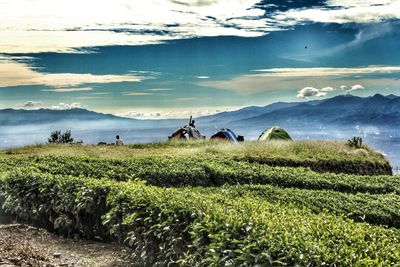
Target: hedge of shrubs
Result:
[[359, 167], [379, 209], [200, 171], [195, 226]]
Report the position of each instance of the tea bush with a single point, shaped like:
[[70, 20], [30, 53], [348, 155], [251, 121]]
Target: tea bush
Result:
[[204, 171], [196, 226], [320, 156], [380, 209], [206, 204]]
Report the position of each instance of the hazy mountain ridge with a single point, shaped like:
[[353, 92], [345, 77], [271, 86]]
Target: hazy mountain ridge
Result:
[[339, 110], [13, 117]]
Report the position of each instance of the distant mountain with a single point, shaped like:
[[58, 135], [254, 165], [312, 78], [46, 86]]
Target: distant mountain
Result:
[[13, 117], [340, 110], [350, 110], [249, 112]]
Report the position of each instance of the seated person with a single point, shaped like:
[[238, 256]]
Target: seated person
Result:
[[118, 141]]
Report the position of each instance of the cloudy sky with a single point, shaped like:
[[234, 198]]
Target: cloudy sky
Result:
[[175, 58]]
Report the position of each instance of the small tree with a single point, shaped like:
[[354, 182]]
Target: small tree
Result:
[[355, 142], [66, 137], [56, 137]]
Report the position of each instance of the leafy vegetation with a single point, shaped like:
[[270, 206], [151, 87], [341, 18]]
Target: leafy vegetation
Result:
[[319, 156], [193, 226], [380, 209], [355, 142], [211, 204], [61, 138], [199, 170]]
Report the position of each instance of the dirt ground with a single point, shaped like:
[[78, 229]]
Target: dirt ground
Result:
[[22, 245]]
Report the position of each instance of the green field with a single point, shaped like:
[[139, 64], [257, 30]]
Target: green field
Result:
[[205, 203]]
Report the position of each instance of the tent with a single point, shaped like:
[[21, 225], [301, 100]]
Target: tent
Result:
[[275, 133], [186, 132], [226, 135]]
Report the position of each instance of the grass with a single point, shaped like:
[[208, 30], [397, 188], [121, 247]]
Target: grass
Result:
[[297, 150], [318, 155]]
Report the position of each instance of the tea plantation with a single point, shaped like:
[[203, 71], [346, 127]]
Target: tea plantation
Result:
[[213, 204]]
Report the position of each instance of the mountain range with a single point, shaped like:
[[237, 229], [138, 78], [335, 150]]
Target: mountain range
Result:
[[346, 110]]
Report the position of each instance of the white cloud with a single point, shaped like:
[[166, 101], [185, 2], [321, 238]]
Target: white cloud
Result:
[[65, 106], [32, 104], [178, 113], [46, 25], [356, 87], [366, 11], [15, 73], [315, 72], [351, 88], [101, 93], [68, 90], [202, 77], [161, 89], [327, 89], [307, 92], [135, 114]]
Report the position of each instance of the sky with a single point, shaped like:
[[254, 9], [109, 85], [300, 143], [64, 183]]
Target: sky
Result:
[[176, 58]]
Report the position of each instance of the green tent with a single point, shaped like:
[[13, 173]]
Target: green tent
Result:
[[275, 133]]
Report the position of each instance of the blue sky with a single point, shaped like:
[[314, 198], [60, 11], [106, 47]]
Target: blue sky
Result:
[[172, 58]]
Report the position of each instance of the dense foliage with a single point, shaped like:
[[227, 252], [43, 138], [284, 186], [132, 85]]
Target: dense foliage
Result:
[[204, 171], [196, 226], [211, 205], [61, 138]]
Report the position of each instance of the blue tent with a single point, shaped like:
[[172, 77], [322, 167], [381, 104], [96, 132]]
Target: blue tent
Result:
[[225, 135]]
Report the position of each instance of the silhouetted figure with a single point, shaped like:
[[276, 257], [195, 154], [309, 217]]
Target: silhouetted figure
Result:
[[191, 122], [118, 141]]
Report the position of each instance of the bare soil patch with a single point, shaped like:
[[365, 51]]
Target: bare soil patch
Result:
[[22, 245]]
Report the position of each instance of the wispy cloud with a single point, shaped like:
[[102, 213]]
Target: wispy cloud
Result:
[[338, 11], [68, 90], [32, 104], [46, 26], [171, 113], [315, 72], [137, 93], [160, 89], [101, 93], [121, 22], [66, 106], [15, 73], [355, 87], [292, 78]]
